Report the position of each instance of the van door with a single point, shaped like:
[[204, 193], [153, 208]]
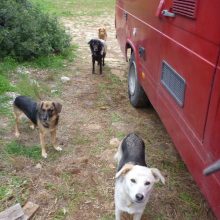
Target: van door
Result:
[[144, 29], [212, 132], [189, 49], [121, 26]]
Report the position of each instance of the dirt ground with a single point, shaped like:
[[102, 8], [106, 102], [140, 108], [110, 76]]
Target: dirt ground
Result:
[[78, 183]]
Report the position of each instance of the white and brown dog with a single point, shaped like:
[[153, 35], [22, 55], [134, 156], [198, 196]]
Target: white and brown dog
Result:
[[134, 180]]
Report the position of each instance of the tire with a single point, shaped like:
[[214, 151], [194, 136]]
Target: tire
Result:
[[136, 93]]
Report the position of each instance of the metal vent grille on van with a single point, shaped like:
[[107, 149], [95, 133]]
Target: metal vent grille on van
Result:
[[185, 7], [173, 82]]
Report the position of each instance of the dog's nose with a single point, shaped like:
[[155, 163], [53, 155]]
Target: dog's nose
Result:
[[45, 118], [139, 197]]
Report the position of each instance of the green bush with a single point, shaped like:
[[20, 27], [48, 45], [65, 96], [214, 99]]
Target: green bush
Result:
[[27, 33]]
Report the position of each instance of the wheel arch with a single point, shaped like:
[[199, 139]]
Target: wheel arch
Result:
[[136, 95], [131, 46]]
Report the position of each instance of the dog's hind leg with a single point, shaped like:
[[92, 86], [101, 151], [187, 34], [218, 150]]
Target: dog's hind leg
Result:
[[100, 63], [17, 133], [54, 140], [119, 153], [17, 115]]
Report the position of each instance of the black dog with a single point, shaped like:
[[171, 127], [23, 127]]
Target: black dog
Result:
[[132, 149], [98, 53]]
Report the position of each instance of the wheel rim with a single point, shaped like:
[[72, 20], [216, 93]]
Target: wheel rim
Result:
[[132, 78]]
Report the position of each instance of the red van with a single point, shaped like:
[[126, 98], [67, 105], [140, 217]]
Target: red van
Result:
[[175, 64]]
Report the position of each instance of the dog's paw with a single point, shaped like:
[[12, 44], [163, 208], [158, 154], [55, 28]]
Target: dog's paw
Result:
[[44, 155], [32, 127], [58, 148], [17, 134]]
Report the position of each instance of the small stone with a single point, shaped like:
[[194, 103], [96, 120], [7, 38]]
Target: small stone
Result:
[[54, 91], [65, 79], [75, 171], [103, 107], [114, 141], [93, 126], [38, 166]]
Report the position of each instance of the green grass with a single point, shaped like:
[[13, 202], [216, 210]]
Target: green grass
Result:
[[5, 85], [16, 149], [54, 62], [13, 189], [120, 135], [76, 7], [189, 201], [27, 87], [4, 191], [60, 214], [108, 217], [81, 140], [5, 107], [115, 117], [24, 83], [7, 65]]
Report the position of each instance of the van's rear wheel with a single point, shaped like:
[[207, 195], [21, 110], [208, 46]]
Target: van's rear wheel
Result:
[[136, 93]]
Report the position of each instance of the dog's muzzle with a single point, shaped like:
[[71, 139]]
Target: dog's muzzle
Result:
[[45, 117]]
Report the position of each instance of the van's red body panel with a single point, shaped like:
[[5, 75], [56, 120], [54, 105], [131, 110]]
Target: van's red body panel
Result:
[[191, 47]]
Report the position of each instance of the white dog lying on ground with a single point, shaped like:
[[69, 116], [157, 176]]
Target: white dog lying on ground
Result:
[[134, 180]]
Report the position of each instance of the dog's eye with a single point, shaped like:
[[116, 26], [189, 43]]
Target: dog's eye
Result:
[[147, 183], [133, 180]]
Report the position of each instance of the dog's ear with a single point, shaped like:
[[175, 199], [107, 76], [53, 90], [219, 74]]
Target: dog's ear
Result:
[[157, 175], [57, 106], [126, 168]]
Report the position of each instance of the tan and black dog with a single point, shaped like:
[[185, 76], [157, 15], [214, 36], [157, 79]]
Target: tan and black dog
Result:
[[44, 115]]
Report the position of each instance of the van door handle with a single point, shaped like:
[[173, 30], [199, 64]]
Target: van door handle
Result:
[[167, 13], [141, 52], [126, 15]]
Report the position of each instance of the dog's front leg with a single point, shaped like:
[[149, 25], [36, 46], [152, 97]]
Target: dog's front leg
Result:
[[103, 60], [137, 216], [117, 214], [100, 63], [42, 143], [54, 140], [93, 65]]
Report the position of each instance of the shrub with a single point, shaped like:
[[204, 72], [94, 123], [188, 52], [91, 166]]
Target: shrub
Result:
[[27, 33]]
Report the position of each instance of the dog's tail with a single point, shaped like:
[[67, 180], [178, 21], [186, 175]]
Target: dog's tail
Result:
[[118, 154]]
